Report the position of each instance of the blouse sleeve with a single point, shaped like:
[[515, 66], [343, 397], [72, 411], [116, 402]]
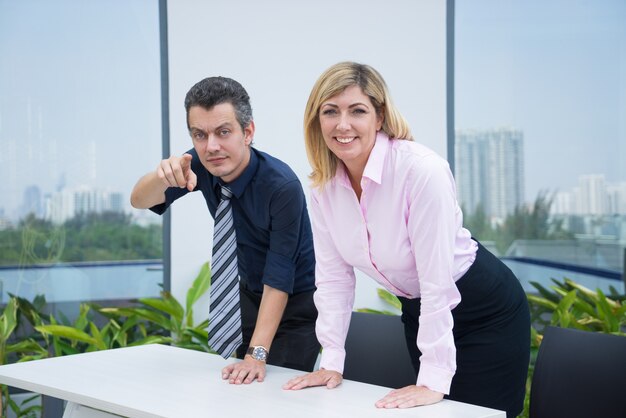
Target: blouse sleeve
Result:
[[334, 297], [432, 228]]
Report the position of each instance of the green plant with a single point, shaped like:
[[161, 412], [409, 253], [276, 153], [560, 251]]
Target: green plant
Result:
[[154, 320], [388, 298], [84, 335], [167, 317], [24, 409], [571, 305], [568, 304], [23, 350]]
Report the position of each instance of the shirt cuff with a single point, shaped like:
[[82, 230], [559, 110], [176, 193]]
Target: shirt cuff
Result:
[[279, 272], [333, 359], [159, 209], [435, 378]]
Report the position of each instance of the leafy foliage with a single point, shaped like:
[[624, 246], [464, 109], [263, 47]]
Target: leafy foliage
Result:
[[86, 237], [153, 320], [167, 315], [388, 298], [23, 349], [526, 222], [567, 304], [572, 305]]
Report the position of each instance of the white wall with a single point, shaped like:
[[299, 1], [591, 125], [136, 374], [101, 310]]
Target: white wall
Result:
[[277, 49]]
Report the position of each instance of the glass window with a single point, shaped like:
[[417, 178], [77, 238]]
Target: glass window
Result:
[[540, 141], [80, 121]]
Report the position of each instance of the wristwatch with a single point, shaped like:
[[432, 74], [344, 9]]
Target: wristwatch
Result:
[[258, 352]]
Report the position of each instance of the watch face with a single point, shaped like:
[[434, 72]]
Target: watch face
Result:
[[259, 353]]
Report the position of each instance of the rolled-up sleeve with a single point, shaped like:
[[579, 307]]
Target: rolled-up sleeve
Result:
[[286, 211], [334, 297], [171, 194], [279, 272]]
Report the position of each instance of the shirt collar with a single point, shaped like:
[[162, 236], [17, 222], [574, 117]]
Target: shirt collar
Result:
[[373, 167], [376, 161], [238, 185]]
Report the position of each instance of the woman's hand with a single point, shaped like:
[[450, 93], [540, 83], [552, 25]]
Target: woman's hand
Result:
[[329, 378], [408, 397]]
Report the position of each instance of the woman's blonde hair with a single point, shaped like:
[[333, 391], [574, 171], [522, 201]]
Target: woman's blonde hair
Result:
[[332, 82]]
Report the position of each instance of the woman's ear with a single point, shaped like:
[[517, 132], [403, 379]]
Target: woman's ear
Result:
[[380, 118]]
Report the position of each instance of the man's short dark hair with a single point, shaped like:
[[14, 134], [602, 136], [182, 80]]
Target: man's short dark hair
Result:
[[212, 91]]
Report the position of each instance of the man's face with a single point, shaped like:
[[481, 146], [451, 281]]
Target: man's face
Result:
[[221, 144]]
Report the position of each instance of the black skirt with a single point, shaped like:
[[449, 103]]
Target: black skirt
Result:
[[491, 335]]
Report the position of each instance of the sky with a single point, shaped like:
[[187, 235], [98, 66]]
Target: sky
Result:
[[555, 69], [87, 108]]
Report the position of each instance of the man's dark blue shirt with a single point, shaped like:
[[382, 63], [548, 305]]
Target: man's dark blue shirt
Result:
[[274, 238]]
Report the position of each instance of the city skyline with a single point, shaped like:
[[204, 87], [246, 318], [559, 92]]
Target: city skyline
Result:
[[489, 168], [567, 93], [94, 114], [555, 70]]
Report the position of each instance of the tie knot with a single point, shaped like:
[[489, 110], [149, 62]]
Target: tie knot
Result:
[[226, 194]]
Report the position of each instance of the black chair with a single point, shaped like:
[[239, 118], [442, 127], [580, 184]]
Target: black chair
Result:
[[579, 374], [376, 351]]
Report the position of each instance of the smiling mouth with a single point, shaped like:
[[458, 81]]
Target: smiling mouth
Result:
[[345, 139]]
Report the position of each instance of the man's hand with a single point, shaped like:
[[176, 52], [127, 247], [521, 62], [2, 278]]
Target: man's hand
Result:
[[176, 172], [409, 396], [329, 378], [172, 172], [245, 371]]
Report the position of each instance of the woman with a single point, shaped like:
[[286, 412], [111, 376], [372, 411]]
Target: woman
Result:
[[387, 206]]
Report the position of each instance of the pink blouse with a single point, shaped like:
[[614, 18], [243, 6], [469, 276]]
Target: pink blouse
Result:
[[406, 233]]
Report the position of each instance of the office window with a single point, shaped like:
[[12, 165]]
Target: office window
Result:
[[540, 134], [80, 121]]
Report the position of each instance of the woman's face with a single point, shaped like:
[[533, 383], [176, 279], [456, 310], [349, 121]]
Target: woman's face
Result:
[[349, 123]]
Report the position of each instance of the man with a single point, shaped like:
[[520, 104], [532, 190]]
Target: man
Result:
[[260, 200]]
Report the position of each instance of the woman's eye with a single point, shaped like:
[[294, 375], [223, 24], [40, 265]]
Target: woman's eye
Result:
[[359, 111], [328, 112]]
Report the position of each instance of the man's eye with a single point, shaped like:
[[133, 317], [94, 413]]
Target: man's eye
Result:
[[198, 135], [224, 132]]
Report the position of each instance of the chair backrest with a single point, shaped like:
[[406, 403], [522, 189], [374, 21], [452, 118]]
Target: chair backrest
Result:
[[579, 374], [376, 351]]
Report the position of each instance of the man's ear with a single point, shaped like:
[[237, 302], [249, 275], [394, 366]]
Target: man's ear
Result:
[[249, 133]]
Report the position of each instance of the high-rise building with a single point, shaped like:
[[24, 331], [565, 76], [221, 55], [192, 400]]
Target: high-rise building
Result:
[[31, 203], [593, 196], [563, 203], [489, 170], [68, 203], [616, 194]]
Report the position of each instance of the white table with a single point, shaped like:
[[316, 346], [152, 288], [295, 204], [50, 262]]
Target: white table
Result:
[[162, 381]]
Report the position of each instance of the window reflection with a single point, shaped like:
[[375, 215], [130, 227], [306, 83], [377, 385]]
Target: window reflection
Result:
[[540, 116], [79, 122]]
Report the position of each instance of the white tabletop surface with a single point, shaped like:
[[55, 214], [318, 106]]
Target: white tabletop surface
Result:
[[163, 381]]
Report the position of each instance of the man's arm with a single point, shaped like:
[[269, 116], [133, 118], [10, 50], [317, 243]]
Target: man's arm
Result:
[[273, 304], [149, 191], [286, 210], [271, 310], [172, 172]]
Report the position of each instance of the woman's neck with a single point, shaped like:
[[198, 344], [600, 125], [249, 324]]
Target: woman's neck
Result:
[[355, 174]]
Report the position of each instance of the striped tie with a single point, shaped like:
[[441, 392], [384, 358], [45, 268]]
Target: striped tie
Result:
[[224, 315]]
